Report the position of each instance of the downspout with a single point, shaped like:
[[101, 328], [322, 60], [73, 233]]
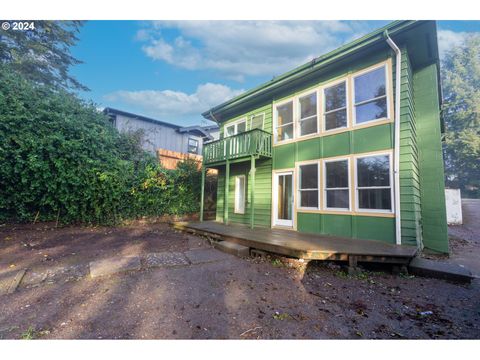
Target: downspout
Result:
[[396, 146]]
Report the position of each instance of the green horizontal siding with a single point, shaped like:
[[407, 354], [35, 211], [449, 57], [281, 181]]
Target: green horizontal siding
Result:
[[431, 174], [263, 193], [410, 202]]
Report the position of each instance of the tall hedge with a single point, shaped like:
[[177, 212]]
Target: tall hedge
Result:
[[61, 159]]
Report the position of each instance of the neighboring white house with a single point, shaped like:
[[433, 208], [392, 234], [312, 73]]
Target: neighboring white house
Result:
[[162, 135]]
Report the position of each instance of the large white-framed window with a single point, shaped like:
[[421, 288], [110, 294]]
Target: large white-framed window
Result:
[[335, 104], [257, 121], [308, 186], [284, 121], [240, 194], [307, 113], [235, 127], [336, 180], [371, 95], [373, 183]]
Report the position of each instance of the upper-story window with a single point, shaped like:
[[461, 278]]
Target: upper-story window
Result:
[[236, 128], [284, 125], [308, 122], [371, 95], [256, 121], [335, 106], [192, 146]]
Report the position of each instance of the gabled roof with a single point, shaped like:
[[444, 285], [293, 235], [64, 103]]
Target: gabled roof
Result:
[[420, 36], [202, 131], [112, 111]]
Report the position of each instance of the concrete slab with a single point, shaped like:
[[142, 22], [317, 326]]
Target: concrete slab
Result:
[[114, 265], [439, 270], [166, 259], [201, 256], [232, 248]]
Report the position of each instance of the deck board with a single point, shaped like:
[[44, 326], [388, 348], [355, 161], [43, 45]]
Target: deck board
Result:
[[303, 245]]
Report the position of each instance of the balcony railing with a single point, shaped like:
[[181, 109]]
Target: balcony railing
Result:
[[255, 142]]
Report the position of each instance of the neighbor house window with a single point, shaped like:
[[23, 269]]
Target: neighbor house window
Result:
[[374, 183], [335, 108], [307, 122], [284, 126], [308, 186], [236, 128], [371, 95], [240, 194], [256, 122], [192, 146], [337, 194]]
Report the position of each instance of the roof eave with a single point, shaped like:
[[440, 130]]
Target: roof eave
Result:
[[343, 51]]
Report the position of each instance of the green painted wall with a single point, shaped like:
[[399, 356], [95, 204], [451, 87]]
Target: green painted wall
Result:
[[263, 193], [410, 204], [359, 227], [431, 173], [350, 142]]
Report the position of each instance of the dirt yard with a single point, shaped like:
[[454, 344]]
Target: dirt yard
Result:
[[228, 298]]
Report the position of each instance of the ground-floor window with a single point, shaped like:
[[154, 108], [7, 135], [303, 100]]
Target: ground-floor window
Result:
[[308, 186], [337, 184], [374, 190], [240, 194]]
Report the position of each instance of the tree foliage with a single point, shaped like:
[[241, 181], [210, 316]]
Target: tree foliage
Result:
[[43, 55], [461, 86], [61, 159]]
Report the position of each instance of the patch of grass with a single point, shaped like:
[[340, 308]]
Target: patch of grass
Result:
[[281, 317], [29, 334], [276, 262]]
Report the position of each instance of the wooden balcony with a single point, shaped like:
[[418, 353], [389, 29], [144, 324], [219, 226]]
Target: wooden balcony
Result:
[[256, 142]]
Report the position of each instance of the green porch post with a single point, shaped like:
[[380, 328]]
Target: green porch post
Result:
[[202, 195], [252, 191], [225, 202]]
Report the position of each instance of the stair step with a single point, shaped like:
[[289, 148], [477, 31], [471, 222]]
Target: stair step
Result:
[[232, 248]]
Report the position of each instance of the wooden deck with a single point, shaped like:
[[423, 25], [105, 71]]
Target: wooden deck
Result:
[[302, 245]]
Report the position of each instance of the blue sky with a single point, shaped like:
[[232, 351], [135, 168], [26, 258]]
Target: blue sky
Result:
[[174, 70]]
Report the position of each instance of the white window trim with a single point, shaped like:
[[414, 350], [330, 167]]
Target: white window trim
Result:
[[347, 100], [297, 115], [197, 145], [240, 209], [387, 92], [254, 115], [275, 120], [325, 189], [392, 203], [235, 125], [299, 190]]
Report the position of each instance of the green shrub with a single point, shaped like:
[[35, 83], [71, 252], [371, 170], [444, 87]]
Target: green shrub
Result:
[[61, 158]]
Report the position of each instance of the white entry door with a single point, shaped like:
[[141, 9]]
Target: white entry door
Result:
[[283, 199]]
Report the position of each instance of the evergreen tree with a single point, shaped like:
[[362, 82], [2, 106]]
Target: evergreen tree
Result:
[[43, 55], [461, 86]]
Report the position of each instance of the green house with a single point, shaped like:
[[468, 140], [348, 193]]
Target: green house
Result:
[[347, 145]]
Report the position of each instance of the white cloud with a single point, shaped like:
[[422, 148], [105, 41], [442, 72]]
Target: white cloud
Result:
[[245, 48], [448, 39], [174, 104]]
